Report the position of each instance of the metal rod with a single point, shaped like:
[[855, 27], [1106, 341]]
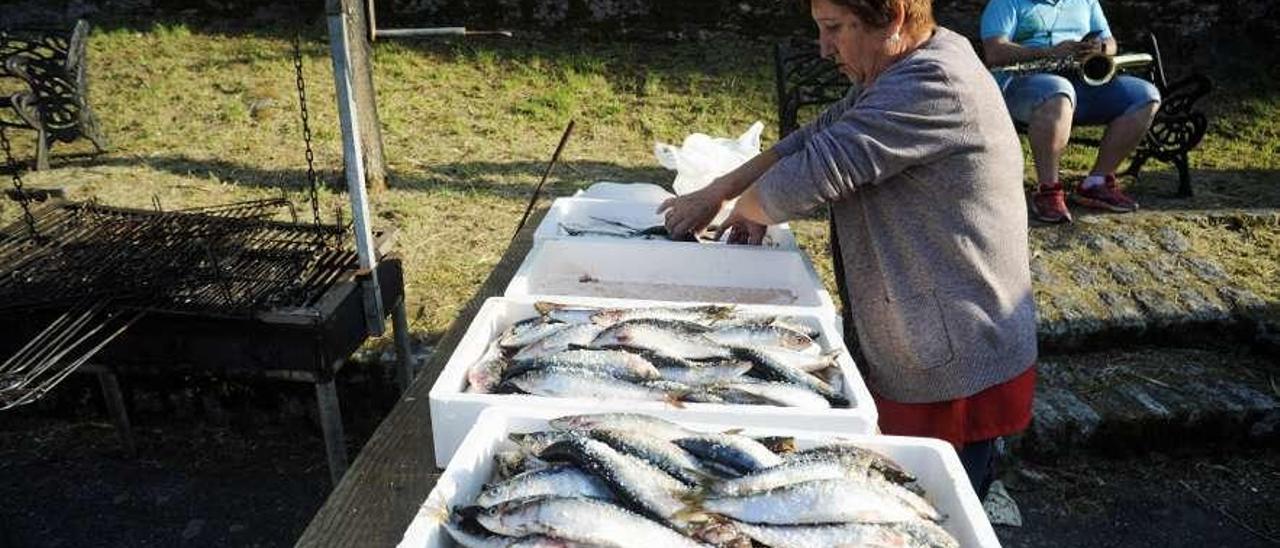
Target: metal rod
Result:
[[437, 31], [538, 189]]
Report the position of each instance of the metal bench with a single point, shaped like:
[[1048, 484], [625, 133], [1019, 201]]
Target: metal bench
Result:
[[54, 101], [803, 79]]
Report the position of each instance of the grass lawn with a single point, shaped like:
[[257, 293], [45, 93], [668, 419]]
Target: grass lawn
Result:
[[200, 117]]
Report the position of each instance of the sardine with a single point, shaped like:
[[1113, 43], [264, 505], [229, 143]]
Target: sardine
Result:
[[664, 455], [666, 337], [567, 313], [812, 502], [579, 334], [484, 375], [772, 336], [650, 424], [871, 535], [807, 362], [510, 463], [703, 315], [854, 455], [772, 393], [580, 520], [528, 331], [706, 372], [560, 480], [568, 382], [637, 483], [623, 365], [737, 452], [534, 442], [771, 369]]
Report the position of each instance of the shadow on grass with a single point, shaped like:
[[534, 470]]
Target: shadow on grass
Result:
[[490, 178]]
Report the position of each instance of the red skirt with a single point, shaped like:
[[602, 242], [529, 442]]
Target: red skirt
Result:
[[998, 411]]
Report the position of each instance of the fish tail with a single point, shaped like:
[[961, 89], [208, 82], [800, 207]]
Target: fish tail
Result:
[[675, 398], [545, 307]]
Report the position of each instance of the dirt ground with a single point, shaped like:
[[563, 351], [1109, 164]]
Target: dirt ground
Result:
[[1200, 499], [208, 481]]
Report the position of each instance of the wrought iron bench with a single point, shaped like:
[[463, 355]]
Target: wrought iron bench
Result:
[[803, 79], [55, 98]]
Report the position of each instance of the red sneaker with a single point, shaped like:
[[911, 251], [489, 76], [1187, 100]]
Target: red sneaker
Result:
[[1105, 196], [1049, 204]]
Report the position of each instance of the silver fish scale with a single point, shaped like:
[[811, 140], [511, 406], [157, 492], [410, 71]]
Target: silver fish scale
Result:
[[664, 455], [739, 453], [814, 502], [661, 428], [764, 335], [687, 345], [562, 480], [845, 534], [569, 382], [529, 331], [581, 520], [579, 334], [615, 362], [632, 479]]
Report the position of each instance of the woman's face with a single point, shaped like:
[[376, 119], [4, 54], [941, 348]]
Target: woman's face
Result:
[[859, 50]]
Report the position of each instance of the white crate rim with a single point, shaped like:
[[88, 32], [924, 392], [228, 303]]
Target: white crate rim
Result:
[[447, 399], [962, 503]]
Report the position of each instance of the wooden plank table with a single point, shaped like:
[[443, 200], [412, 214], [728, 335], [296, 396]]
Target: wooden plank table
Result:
[[392, 475]]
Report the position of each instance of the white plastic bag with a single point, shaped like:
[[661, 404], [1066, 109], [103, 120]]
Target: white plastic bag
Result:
[[702, 158]]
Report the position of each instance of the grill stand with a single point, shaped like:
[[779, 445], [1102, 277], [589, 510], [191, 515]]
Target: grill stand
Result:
[[343, 315]]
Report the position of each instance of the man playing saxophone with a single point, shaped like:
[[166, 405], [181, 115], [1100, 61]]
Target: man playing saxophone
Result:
[[1021, 31]]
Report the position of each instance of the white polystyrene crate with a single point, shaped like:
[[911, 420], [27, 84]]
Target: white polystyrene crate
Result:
[[453, 410], [658, 271], [933, 462], [579, 212]]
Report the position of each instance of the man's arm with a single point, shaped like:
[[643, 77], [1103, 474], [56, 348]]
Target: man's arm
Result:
[[999, 51]]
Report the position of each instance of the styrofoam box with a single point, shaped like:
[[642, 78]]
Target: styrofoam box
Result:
[[453, 410], [933, 462], [585, 211], [651, 270]]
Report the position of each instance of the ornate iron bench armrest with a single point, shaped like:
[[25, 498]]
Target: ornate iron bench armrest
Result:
[[52, 63]]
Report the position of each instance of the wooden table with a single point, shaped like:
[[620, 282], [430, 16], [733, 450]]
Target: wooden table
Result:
[[392, 475]]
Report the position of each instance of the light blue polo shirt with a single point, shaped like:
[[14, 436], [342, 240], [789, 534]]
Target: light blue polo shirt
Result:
[[1042, 23]]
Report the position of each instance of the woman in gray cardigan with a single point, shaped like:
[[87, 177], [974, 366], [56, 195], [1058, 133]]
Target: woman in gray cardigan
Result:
[[923, 171]]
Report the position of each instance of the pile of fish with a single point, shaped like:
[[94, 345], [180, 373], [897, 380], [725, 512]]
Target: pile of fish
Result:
[[708, 354], [622, 480], [599, 226]]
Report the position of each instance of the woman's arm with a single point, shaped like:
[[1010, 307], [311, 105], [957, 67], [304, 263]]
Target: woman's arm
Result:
[[691, 213]]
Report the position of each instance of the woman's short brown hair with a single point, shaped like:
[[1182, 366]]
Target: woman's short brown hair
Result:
[[918, 14]]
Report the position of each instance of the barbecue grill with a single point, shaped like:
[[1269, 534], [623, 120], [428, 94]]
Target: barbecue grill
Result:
[[224, 290]]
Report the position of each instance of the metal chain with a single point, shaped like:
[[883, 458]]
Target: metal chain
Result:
[[312, 178], [23, 199]]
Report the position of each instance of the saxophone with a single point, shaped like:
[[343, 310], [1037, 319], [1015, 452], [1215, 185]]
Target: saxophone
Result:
[[1094, 69]]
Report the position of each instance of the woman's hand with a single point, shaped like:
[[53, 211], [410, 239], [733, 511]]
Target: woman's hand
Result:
[[741, 230], [689, 214]]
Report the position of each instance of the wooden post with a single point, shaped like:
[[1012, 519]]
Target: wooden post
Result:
[[363, 95]]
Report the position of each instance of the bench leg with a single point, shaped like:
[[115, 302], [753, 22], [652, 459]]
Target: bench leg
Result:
[[42, 149], [1184, 175], [115, 407], [404, 353], [335, 444]]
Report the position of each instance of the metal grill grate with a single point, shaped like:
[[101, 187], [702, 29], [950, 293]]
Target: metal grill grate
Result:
[[224, 260]]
